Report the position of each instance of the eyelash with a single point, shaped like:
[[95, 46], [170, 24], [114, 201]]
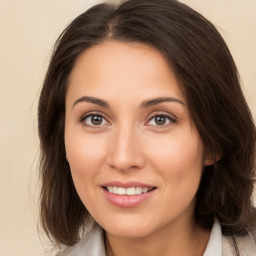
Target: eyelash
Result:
[[84, 117], [160, 114]]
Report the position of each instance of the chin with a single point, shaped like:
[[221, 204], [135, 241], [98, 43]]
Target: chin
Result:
[[130, 233], [128, 229]]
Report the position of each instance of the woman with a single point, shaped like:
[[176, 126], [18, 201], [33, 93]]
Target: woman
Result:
[[142, 124]]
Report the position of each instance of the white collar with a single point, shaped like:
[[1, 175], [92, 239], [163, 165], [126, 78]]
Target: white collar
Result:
[[214, 246], [93, 243]]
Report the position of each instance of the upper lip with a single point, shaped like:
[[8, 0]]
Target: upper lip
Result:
[[128, 184]]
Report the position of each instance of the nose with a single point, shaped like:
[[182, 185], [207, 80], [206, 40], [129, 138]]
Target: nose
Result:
[[126, 150]]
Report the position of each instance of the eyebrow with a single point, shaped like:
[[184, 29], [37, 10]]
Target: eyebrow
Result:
[[93, 100], [149, 103], [144, 104]]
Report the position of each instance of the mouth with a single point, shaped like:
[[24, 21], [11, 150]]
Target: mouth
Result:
[[128, 194], [130, 191]]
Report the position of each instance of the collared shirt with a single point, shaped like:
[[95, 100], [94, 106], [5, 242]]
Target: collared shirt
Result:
[[214, 246], [92, 244]]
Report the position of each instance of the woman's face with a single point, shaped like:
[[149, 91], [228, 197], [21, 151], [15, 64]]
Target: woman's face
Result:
[[135, 156]]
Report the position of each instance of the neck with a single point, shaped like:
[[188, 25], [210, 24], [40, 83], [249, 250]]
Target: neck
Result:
[[179, 240]]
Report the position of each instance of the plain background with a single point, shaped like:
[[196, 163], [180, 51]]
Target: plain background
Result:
[[28, 30]]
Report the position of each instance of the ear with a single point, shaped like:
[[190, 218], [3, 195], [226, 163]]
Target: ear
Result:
[[212, 158]]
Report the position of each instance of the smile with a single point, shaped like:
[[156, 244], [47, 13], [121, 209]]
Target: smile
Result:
[[128, 191], [128, 194]]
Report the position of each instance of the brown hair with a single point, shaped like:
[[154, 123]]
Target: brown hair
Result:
[[209, 79]]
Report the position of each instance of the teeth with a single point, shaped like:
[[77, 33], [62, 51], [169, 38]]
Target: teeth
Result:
[[127, 191], [130, 191], [121, 191], [138, 190], [144, 190]]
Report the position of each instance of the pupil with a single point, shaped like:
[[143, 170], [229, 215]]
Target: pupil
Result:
[[96, 120], [160, 120]]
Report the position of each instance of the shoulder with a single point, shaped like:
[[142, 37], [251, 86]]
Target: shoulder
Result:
[[245, 244], [92, 244]]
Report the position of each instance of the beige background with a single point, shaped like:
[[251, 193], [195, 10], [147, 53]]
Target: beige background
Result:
[[28, 29]]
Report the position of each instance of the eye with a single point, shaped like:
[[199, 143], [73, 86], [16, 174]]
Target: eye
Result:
[[94, 120], [160, 120]]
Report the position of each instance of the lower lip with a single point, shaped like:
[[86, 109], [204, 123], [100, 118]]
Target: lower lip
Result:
[[127, 201]]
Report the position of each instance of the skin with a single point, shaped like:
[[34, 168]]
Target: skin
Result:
[[129, 145]]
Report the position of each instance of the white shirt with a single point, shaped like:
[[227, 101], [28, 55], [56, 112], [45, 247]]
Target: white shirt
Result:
[[92, 244], [214, 246]]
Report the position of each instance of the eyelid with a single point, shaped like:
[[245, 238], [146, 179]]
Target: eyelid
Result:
[[98, 113], [172, 118]]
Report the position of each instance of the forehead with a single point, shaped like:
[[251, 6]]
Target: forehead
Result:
[[117, 67]]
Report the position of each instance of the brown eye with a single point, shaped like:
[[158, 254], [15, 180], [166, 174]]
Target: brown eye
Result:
[[94, 120], [160, 120]]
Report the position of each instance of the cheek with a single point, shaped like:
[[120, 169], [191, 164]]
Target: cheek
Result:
[[84, 151], [178, 151], [179, 160], [85, 156]]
